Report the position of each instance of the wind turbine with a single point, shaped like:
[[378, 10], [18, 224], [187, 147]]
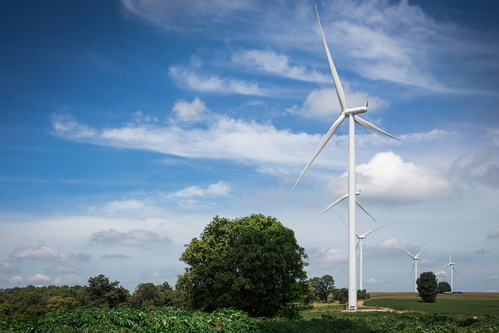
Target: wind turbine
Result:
[[359, 240], [352, 114], [414, 263], [451, 264]]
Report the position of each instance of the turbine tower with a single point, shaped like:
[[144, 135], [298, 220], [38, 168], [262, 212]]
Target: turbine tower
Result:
[[414, 265], [360, 240], [451, 264], [352, 114]]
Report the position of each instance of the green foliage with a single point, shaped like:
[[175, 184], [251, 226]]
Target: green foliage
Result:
[[341, 295], [443, 286], [427, 287], [362, 294], [104, 293], [253, 264], [309, 296], [323, 286]]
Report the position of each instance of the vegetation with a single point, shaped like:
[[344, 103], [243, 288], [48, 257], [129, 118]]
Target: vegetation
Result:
[[427, 287], [252, 264], [467, 304], [443, 287], [322, 286], [341, 295]]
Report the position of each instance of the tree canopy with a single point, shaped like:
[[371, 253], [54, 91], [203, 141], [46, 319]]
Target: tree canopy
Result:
[[443, 287], [323, 286], [427, 287], [252, 264]]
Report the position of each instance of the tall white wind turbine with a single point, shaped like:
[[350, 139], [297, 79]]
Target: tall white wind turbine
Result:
[[352, 114], [360, 239], [451, 264], [414, 265]]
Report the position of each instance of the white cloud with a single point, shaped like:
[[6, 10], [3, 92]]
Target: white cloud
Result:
[[134, 237], [477, 167], [190, 112], [211, 83], [115, 256], [374, 281], [16, 279], [220, 188], [62, 269], [387, 178], [5, 268], [42, 253], [327, 257], [393, 243], [492, 278], [494, 233], [277, 64], [123, 205], [39, 278], [67, 279], [425, 263], [324, 103]]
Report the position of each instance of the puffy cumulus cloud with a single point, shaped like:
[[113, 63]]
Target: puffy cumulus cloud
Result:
[[16, 279], [374, 281], [115, 256], [220, 188], [277, 64], [40, 278], [324, 103], [133, 238], [67, 279], [386, 178], [477, 167], [190, 111], [7, 268], [190, 79], [494, 233], [327, 257], [393, 243], [42, 253]]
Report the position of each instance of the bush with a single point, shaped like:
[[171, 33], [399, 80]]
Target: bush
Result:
[[427, 287], [443, 286]]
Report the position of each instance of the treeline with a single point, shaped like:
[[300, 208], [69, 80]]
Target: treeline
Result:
[[323, 289], [100, 292]]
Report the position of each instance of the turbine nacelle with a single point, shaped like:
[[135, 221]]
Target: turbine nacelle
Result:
[[354, 111]]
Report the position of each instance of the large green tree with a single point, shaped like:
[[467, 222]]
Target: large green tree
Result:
[[427, 287], [323, 286], [252, 263], [105, 293]]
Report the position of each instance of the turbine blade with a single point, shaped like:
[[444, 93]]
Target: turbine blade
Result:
[[445, 267], [358, 204], [325, 140], [343, 221], [357, 246], [333, 204], [369, 232], [336, 78], [406, 251], [412, 270], [455, 270], [367, 124], [417, 255]]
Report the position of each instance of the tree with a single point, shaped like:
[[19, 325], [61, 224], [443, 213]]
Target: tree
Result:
[[323, 286], [427, 287], [146, 294], [443, 286], [105, 293], [252, 263]]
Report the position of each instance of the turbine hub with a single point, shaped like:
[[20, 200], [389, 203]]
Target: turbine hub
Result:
[[354, 111]]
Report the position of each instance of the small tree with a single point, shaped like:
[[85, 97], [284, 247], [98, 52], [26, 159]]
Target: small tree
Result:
[[253, 264], [105, 293], [427, 287], [443, 286]]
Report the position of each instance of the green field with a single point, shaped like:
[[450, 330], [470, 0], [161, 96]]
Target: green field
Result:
[[467, 304]]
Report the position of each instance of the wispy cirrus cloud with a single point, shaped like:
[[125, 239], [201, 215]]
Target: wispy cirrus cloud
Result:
[[133, 238], [220, 188]]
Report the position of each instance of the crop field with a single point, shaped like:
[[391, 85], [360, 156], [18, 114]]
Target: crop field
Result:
[[466, 304]]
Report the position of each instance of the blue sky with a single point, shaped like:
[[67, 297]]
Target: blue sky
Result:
[[127, 125]]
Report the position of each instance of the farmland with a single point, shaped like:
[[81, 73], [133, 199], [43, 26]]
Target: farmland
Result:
[[466, 304]]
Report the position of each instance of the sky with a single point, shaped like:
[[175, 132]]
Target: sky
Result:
[[126, 126]]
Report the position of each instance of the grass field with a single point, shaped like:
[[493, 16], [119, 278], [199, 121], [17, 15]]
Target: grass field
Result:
[[468, 304]]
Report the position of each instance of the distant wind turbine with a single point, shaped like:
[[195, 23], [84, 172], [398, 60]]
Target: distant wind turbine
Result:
[[352, 114], [414, 265], [359, 240], [451, 264]]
